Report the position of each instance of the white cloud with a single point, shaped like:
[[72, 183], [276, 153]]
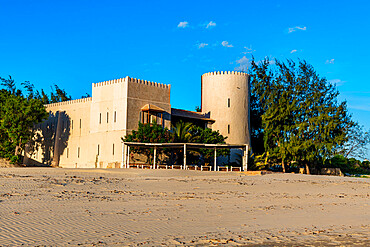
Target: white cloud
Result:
[[202, 45], [211, 24], [248, 50], [226, 44], [330, 61], [293, 29], [183, 24], [293, 51], [337, 82], [243, 64]]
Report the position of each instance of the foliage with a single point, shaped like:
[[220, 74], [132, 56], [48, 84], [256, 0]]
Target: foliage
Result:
[[148, 133], [208, 136], [357, 143], [17, 118], [348, 165], [181, 132], [19, 113], [300, 118]]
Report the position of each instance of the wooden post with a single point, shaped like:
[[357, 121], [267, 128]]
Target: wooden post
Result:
[[155, 156], [184, 156], [245, 158], [123, 165], [215, 161], [128, 157]]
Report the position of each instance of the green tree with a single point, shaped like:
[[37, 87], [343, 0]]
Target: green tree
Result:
[[181, 132], [357, 143], [301, 119], [18, 115], [208, 136], [148, 133]]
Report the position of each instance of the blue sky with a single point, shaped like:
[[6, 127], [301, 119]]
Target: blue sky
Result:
[[76, 43]]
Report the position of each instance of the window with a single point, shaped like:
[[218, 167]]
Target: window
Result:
[[80, 123], [78, 152], [107, 116], [115, 116], [98, 149], [228, 102], [99, 118], [113, 149], [228, 128]]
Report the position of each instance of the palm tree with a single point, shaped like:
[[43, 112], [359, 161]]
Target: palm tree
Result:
[[181, 132]]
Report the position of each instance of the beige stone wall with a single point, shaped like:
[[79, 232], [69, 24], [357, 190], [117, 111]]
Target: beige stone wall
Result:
[[141, 93], [226, 96], [90, 129]]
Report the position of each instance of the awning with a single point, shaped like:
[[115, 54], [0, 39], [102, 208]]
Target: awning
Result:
[[151, 107]]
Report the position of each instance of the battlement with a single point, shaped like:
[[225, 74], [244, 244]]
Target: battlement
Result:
[[149, 83], [225, 73], [83, 100], [134, 80]]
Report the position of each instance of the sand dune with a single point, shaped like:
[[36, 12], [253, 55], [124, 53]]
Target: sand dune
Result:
[[88, 207]]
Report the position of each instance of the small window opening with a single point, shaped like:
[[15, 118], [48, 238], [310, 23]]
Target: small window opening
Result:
[[98, 149], [113, 149], [107, 116], [228, 102], [99, 118], [228, 128], [115, 116], [80, 123], [78, 152]]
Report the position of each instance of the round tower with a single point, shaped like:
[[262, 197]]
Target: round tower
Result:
[[225, 97]]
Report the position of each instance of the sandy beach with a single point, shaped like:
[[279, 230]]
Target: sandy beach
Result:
[[129, 207]]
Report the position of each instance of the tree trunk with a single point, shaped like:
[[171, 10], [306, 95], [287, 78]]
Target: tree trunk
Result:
[[283, 165], [307, 169]]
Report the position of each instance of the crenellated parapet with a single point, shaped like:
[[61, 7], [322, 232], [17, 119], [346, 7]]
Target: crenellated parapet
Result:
[[133, 80], [149, 83], [69, 102], [225, 73]]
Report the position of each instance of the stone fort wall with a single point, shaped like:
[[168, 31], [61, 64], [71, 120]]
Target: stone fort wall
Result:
[[87, 132]]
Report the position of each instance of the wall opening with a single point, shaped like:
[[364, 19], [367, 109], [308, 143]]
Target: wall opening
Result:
[[228, 128], [98, 149], [99, 118], [228, 102], [78, 152], [80, 123], [113, 149], [107, 116], [115, 116]]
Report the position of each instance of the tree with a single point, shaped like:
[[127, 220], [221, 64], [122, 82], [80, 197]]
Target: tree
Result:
[[301, 120], [18, 115], [181, 132], [208, 136], [357, 143], [148, 133]]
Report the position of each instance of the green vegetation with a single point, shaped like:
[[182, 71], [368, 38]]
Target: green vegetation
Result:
[[19, 113], [296, 118], [180, 133]]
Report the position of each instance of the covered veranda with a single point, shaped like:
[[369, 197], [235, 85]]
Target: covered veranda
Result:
[[186, 147]]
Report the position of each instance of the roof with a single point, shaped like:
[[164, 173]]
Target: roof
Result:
[[151, 107], [189, 145], [190, 114]]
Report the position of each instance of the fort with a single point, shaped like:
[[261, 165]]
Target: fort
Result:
[[86, 133]]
